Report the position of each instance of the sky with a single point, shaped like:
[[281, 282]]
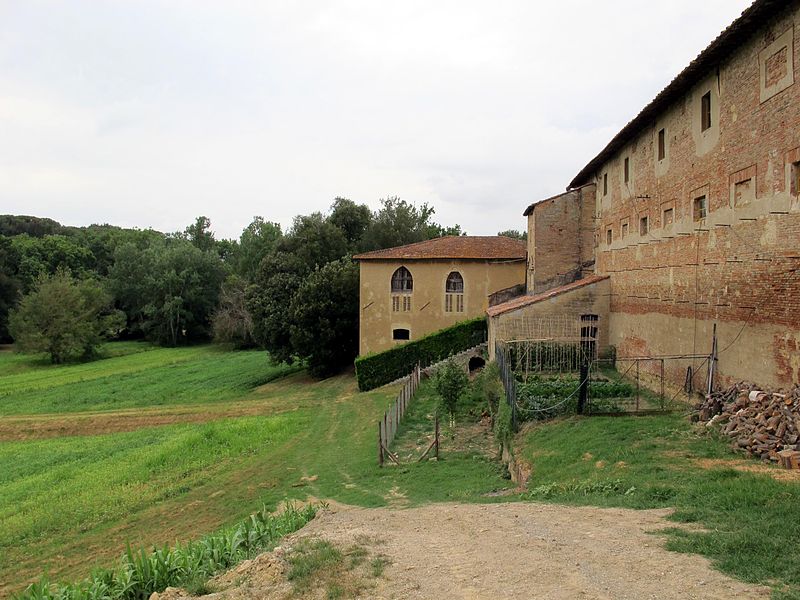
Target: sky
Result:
[[148, 113]]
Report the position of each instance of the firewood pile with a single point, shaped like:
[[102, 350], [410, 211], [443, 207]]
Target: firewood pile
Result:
[[762, 423]]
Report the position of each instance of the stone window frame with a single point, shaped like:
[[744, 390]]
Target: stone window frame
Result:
[[453, 297], [605, 184], [398, 336], [609, 235], [661, 144], [784, 40], [624, 228], [742, 175], [644, 224]]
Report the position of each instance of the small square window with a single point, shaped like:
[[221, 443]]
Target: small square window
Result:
[[643, 226], [669, 217], [662, 144], [705, 111], [605, 184], [700, 209], [627, 169], [624, 230], [609, 236]]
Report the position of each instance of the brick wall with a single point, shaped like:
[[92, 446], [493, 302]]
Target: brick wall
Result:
[[739, 266], [561, 239]]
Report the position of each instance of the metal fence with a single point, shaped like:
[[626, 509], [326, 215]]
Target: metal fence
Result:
[[387, 426]]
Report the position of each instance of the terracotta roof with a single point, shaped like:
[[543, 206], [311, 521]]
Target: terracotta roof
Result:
[[717, 51], [496, 247], [521, 301]]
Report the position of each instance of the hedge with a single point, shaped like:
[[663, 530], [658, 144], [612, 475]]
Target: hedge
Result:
[[375, 370]]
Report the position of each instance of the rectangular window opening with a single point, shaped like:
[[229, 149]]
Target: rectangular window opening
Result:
[[609, 236], [669, 217], [605, 184], [401, 334], [643, 226], [627, 169], [662, 144], [624, 230], [700, 208], [705, 111]]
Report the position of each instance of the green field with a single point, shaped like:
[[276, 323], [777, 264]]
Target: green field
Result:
[[71, 501], [150, 446]]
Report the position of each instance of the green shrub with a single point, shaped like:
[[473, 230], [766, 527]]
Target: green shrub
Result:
[[450, 381], [503, 428], [375, 370], [141, 573]]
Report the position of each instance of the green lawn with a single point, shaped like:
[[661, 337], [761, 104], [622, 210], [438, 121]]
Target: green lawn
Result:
[[135, 376], [70, 503], [750, 522]]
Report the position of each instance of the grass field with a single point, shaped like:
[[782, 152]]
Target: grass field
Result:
[[227, 443], [748, 513], [150, 446]]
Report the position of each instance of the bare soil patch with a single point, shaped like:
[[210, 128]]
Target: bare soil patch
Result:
[[512, 551]]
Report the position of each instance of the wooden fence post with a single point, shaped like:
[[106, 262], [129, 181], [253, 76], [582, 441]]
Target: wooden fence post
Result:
[[436, 433], [380, 446]]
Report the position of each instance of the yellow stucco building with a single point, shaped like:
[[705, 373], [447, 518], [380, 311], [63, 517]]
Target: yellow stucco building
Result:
[[409, 291]]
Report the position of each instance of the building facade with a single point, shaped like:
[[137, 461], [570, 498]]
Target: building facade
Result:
[[409, 291], [696, 211]]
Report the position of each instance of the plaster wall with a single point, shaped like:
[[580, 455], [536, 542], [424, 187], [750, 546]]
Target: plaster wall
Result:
[[427, 313]]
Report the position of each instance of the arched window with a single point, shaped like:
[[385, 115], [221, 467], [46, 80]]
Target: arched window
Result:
[[402, 282], [454, 293], [455, 283]]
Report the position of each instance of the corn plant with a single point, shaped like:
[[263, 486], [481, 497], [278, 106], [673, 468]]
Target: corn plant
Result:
[[142, 572]]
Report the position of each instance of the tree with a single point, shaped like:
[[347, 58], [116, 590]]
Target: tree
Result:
[[257, 240], [399, 222], [514, 234], [268, 300], [450, 382], [64, 317], [200, 235], [352, 219], [9, 285], [168, 290], [231, 322], [324, 315]]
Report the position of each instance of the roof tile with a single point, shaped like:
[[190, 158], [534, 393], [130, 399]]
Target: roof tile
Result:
[[493, 247], [521, 301]]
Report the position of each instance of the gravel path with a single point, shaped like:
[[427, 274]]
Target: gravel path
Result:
[[511, 551]]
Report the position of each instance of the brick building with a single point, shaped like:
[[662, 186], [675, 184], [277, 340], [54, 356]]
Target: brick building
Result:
[[690, 216]]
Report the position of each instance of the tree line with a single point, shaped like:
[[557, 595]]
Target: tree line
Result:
[[63, 290]]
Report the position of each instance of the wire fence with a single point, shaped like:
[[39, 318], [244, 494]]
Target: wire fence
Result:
[[629, 385], [387, 426]]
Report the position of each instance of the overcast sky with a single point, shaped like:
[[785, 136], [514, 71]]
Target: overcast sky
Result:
[[149, 113]]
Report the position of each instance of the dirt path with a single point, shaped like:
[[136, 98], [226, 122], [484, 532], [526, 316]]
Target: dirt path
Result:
[[504, 551]]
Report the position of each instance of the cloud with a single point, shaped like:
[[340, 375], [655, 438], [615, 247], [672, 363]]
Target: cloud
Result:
[[151, 113]]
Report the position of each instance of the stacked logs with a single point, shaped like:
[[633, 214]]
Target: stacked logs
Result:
[[762, 423]]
